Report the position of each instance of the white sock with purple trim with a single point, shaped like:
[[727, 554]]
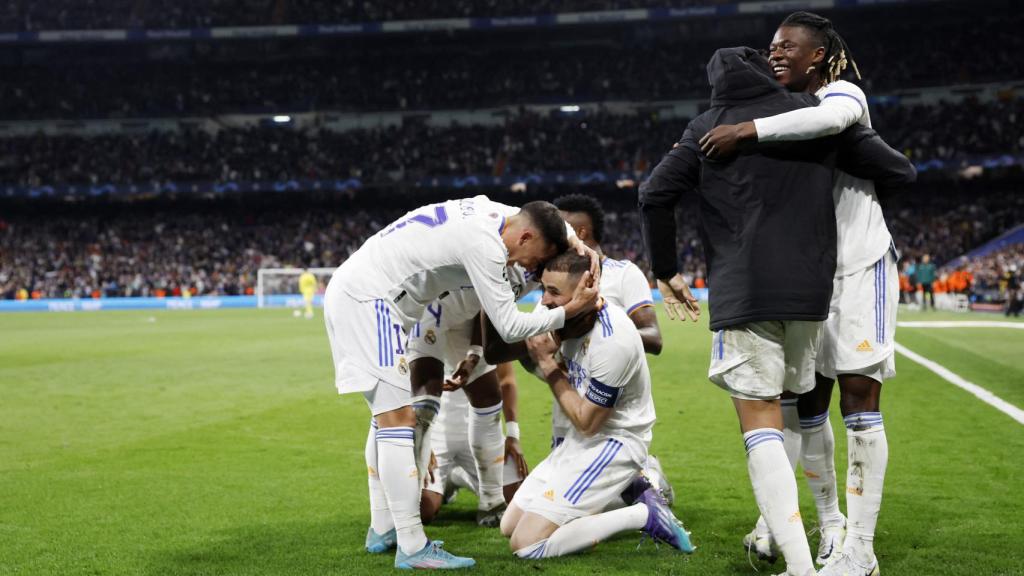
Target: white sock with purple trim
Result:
[[818, 459], [586, 532], [488, 445], [380, 515], [868, 451], [396, 463], [776, 494]]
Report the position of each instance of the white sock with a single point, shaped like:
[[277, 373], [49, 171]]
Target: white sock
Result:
[[459, 477], [791, 438], [818, 459], [488, 445], [380, 515], [398, 473], [775, 491], [425, 407], [869, 454], [586, 532]]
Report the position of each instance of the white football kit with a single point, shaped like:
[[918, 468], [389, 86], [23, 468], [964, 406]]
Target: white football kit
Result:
[[586, 475], [624, 285], [383, 289], [861, 326]]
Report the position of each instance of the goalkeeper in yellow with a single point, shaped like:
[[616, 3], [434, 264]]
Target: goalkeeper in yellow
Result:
[[307, 286]]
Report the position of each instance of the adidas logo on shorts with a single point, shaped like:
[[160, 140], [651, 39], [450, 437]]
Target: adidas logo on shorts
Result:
[[865, 346]]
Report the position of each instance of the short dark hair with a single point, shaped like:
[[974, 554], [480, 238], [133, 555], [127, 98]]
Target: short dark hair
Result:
[[585, 205], [837, 53], [569, 261], [545, 218]]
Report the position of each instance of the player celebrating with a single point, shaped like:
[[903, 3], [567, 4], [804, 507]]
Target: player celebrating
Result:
[[307, 286], [606, 394], [808, 55], [381, 291], [763, 215]]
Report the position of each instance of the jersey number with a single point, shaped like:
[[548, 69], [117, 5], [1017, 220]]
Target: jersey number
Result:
[[431, 220]]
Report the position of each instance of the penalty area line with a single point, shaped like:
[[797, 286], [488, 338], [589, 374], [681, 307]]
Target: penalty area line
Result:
[[958, 381]]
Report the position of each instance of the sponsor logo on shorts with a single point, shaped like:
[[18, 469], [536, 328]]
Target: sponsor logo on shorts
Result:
[[403, 366], [550, 495], [865, 346], [430, 337]]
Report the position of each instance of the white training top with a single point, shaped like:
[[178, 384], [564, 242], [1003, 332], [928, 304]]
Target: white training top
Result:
[[441, 248], [609, 368], [863, 237], [624, 285]]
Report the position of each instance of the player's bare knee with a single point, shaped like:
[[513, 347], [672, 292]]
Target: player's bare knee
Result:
[[859, 393], [399, 417]]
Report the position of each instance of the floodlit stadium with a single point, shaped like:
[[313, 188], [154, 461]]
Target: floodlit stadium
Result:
[[313, 287]]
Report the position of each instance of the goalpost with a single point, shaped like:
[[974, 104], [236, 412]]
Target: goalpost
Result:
[[280, 286]]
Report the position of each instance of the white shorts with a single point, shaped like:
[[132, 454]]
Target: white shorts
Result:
[[581, 477], [434, 337], [861, 325], [761, 360], [367, 344]]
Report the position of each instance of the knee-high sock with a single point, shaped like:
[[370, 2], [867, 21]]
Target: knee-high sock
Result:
[[791, 438], [380, 515], [488, 445], [398, 474], [869, 455], [586, 532], [775, 491], [818, 459], [425, 407]]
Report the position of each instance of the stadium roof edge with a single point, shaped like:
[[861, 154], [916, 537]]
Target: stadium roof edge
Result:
[[356, 29]]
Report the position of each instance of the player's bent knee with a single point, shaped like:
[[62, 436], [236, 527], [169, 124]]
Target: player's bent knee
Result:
[[510, 519], [399, 417]]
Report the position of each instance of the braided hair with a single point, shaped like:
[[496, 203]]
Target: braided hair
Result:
[[837, 53]]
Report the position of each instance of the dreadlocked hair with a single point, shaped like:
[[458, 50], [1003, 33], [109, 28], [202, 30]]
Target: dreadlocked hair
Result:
[[837, 53]]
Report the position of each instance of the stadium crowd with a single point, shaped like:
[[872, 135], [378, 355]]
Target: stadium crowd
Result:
[[216, 247], [415, 150]]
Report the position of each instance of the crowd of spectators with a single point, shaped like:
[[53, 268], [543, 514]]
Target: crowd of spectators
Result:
[[525, 143], [216, 246]]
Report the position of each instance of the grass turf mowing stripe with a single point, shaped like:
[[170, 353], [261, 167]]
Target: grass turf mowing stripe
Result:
[[953, 378]]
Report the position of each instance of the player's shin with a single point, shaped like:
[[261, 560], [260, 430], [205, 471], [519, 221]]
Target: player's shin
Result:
[[818, 460], [400, 478], [776, 494], [868, 457], [488, 445], [426, 408], [585, 532], [380, 515], [792, 440]]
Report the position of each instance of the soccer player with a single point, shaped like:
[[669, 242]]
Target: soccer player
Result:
[[307, 286], [808, 55], [769, 234], [606, 394], [447, 341], [456, 462], [382, 290]]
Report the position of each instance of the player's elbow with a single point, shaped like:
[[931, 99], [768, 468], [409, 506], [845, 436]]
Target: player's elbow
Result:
[[653, 344]]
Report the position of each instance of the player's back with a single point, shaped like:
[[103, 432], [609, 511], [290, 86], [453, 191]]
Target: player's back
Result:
[[421, 255], [608, 366]]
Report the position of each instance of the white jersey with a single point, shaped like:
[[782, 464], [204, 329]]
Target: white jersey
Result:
[[624, 285], [442, 248], [863, 238], [608, 367]]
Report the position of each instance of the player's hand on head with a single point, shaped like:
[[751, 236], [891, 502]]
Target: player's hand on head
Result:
[[724, 141], [584, 299], [680, 303]]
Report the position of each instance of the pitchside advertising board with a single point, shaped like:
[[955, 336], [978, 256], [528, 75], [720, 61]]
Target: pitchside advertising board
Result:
[[197, 302]]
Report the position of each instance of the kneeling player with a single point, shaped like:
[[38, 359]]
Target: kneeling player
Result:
[[456, 464], [606, 393]]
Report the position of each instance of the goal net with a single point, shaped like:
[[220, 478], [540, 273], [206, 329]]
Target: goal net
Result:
[[279, 287]]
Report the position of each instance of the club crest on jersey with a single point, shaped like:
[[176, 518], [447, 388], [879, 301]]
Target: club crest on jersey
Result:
[[403, 366], [430, 337]]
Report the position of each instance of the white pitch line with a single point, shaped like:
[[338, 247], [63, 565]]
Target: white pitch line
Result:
[[961, 324], [954, 379]]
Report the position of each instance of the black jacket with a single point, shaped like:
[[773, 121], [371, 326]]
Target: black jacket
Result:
[[767, 218]]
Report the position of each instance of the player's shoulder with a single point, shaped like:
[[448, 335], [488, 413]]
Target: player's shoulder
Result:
[[613, 324], [844, 89]]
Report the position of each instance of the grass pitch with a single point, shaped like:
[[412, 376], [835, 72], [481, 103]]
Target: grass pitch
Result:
[[212, 442]]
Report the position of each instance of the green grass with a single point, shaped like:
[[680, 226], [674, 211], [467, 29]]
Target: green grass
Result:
[[213, 443]]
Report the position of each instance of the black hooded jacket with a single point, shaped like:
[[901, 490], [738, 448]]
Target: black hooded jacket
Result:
[[767, 218]]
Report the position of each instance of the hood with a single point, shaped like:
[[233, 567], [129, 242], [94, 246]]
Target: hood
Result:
[[738, 74]]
